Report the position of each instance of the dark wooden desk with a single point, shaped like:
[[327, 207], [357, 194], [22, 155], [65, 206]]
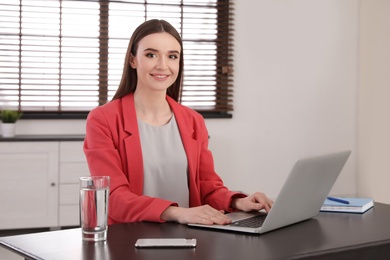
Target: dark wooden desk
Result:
[[327, 236]]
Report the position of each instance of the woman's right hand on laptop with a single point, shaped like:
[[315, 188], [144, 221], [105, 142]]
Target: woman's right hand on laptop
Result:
[[196, 215]]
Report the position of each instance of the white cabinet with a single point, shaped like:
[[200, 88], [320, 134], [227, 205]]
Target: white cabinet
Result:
[[39, 183], [29, 184], [73, 165]]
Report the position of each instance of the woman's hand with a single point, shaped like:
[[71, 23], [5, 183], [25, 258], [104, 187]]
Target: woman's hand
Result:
[[196, 215], [256, 201]]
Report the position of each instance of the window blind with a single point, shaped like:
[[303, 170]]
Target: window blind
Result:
[[67, 56]]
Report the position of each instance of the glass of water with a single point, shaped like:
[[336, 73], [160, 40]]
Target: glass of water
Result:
[[94, 192]]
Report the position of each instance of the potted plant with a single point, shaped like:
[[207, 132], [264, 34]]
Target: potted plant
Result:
[[8, 120]]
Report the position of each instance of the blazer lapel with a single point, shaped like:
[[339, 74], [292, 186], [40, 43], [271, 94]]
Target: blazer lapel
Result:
[[132, 144]]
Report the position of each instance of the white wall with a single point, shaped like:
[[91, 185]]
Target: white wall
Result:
[[295, 93], [374, 96]]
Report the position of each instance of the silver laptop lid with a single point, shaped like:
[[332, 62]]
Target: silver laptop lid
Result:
[[304, 191], [301, 196]]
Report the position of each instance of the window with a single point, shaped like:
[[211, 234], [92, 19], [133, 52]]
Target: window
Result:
[[62, 57]]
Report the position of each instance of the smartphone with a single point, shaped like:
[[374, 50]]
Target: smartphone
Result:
[[165, 242]]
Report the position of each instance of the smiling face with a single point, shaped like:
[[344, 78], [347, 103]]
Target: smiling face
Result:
[[157, 62]]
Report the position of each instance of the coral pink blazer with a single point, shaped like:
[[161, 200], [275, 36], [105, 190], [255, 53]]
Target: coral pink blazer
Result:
[[112, 147]]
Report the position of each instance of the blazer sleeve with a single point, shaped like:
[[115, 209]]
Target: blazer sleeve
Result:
[[206, 186], [212, 189], [104, 153]]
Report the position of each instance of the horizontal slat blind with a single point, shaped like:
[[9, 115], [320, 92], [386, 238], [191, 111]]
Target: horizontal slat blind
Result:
[[64, 56]]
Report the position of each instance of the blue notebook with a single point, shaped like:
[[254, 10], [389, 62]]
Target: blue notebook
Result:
[[356, 205]]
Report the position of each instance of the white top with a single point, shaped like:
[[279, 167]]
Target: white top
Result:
[[165, 162]]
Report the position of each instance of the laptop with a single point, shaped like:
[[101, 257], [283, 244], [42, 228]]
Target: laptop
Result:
[[300, 198]]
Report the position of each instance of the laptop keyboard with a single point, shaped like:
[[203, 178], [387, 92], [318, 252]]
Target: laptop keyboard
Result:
[[253, 222]]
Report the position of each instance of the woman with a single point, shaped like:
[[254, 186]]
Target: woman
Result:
[[154, 149]]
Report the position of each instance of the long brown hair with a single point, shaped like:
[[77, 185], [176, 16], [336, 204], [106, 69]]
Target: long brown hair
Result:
[[128, 82]]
